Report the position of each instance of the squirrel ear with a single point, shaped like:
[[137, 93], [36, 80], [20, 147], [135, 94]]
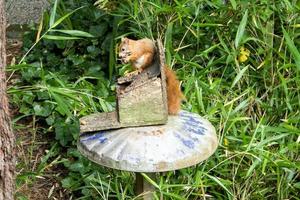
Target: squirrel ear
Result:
[[124, 40]]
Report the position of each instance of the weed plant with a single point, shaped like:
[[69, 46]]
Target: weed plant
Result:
[[239, 64]]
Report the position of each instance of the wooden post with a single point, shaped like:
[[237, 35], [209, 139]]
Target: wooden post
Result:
[[7, 139], [143, 187]]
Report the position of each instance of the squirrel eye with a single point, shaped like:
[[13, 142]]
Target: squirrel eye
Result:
[[123, 49]]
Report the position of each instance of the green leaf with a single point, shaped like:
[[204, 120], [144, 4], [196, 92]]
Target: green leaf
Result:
[[50, 120], [219, 183], [38, 35], [252, 167], [77, 167], [75, 33], [239, 76], [173, 195], [68, 182], [241, 30], [58, 37], [297, 185], [62, 103], [112, 63], [53, 14], [100, 30], [56, 23], [44, 109], [293, 49], [150, 180], [76, 59], [62, 133], [169, 43], [233, 4]]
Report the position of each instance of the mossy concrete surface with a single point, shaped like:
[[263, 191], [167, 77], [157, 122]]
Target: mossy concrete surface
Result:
[[24, 11]]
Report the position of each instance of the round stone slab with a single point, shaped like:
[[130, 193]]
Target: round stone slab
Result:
[[185, 140]]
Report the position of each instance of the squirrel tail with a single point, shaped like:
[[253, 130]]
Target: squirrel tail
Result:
[[174, 94]]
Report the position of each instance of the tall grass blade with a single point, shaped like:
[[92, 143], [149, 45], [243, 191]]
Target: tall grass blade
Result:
[[174, 196], [57, 22], [293, 49], [233, 4], [219, 183], [112, 59], [75, 33], [239, 76], [241, 30], [58, 37], [53, 14], [150, 180], [168, 43], [286, 90], [199, 97], [38, 35]]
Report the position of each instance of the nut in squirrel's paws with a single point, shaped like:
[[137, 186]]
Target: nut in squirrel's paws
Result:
[[125, 57], [125, 60]]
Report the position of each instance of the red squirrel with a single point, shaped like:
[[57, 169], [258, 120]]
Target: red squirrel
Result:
[[140, 53]]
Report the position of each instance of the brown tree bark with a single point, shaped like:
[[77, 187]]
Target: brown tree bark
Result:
[[7, 139]]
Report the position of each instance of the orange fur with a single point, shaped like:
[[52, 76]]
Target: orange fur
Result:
[[137, 48], [174, 93], [132, 50]]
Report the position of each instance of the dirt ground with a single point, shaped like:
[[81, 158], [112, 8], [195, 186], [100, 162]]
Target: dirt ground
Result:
[[35, 180]]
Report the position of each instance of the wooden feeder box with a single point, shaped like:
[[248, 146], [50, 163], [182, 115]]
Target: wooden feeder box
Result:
[[141, 100]]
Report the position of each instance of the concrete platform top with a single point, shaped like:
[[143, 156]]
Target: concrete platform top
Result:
[[185, 140]]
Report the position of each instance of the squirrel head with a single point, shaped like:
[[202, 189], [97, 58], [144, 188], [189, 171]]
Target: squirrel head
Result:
[[124, 49]]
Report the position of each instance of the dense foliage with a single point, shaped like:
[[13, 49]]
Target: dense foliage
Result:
[[239, 65]]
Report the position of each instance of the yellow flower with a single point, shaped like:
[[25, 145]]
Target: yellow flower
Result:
[[244, 55], [226, 142]]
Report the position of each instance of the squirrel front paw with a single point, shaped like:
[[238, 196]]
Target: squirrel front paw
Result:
[[126, 60]]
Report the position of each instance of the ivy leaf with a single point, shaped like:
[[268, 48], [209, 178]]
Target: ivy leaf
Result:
[[68, 182], [43, 109]]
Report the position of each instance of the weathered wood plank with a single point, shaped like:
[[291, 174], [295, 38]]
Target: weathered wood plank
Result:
[[99, 121], [143, 105], [162, 65], [150, 72]]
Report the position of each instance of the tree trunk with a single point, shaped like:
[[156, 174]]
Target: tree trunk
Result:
[[7, 140]]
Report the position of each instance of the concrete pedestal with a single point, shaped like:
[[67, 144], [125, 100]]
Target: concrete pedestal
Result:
[[185, 140]]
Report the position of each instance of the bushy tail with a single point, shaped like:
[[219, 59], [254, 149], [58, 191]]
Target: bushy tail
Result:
[[174, 93]]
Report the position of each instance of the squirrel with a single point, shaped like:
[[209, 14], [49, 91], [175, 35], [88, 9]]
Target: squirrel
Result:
[[140, 54]]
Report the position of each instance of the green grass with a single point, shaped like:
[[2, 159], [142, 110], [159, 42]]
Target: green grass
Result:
[[254, 104]]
